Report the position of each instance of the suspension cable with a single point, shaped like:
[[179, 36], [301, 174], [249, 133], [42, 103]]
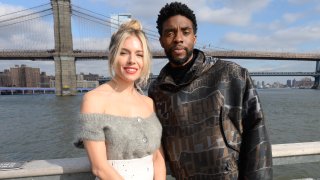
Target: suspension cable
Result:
[[24, 10]]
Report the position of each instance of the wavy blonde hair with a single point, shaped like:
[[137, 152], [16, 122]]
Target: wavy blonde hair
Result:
[[131, 28]]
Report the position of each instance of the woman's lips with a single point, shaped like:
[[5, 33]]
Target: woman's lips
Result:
[[130, 70]]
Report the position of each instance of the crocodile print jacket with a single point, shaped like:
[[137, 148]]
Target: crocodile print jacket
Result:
[[213, 124]]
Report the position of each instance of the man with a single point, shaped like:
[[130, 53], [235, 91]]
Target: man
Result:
[[213, 124]]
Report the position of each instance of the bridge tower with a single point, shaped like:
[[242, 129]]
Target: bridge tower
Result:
[[65, 68], [317, 78]]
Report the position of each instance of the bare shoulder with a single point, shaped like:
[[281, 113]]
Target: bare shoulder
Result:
[[149, 101], [94, 100]]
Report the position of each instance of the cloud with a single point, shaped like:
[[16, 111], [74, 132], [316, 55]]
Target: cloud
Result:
[[298, 35], [224, 12], [227, 12], [22, 33], [286, 39], [90, 43], [292, 17], [299, 2]]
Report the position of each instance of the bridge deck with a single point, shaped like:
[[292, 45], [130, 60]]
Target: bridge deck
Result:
[[38, 55]]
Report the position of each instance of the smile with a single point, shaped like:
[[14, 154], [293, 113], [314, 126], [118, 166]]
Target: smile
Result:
[[130, 70]]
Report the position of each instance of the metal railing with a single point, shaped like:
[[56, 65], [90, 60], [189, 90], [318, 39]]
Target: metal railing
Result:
[[75, 168]]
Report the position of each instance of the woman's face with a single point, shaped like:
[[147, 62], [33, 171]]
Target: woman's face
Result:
[[129, 62]]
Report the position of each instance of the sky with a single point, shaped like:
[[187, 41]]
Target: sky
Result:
[[249, 25]]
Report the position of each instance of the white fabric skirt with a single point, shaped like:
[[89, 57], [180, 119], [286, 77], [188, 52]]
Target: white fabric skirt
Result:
[[134, 169]]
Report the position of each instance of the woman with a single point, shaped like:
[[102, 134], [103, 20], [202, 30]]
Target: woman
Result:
[[118, 126]]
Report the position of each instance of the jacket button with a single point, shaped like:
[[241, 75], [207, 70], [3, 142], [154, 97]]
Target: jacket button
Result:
[[144, 140]]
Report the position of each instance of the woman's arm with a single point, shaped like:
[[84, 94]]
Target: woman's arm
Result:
[[159, 165], [97, 154], [97, 149]]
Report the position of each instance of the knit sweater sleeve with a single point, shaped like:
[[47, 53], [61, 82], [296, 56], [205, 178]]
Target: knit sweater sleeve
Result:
[[89, 127]]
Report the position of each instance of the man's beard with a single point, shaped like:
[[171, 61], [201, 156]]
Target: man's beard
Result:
[[178, 61]]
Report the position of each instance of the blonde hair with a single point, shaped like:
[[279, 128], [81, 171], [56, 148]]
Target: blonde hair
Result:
[[131, 28]]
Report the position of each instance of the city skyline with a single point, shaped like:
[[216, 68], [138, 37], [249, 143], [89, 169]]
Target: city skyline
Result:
[[26, 76], [265, 25], [256, 80]]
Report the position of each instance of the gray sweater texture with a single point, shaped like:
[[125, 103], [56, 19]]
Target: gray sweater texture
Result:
[[126, 137]]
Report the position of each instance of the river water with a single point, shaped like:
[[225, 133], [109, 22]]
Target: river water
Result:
[[41, 126]]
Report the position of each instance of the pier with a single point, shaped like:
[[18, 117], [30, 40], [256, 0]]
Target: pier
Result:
[[79, 168]]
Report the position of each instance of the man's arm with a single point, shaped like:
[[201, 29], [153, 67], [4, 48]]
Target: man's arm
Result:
[[255, 153]]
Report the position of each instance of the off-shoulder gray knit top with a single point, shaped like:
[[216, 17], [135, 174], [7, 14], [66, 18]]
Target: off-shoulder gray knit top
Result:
[[126, 137]]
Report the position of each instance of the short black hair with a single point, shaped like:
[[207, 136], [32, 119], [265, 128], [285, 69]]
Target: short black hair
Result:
[[172, 9]]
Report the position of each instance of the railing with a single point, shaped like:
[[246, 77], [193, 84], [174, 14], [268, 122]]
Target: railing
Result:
[[79, 168], [285, 74], [34, 90]]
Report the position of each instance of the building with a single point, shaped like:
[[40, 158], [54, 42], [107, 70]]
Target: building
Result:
[[289, 83], [5, 78], [259, 86], [45, 80], [24, 76], [305, 83], [87, 84], [117, 20], [87, 80], [294, 83], [90, 77]]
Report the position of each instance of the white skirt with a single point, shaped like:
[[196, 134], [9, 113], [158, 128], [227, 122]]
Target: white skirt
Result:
[[134, 169]]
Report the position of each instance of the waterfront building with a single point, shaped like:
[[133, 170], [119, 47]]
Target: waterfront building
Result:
[[305, 83], [254, 83], [52, 83], [5, 78], [90, 77], [87, 84], [289, 83], [294, 83], [24, 76], [117, 20], [87, 80], [45, 80]]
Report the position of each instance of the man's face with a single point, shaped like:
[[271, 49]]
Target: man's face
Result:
[[178, 40]]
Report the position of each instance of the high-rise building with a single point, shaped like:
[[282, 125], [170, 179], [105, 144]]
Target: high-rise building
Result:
[[259, 86], [45, 80], [254, 83], [289, 83], [117, 20], [294, 83], [25, 76], [5, 79]]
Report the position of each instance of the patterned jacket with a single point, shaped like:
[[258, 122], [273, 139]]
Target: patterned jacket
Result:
[[213, 124]]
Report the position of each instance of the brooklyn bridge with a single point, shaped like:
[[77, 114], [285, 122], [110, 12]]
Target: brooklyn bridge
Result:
[[60, 18]]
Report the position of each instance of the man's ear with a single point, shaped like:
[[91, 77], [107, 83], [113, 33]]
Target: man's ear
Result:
[[195, 39]]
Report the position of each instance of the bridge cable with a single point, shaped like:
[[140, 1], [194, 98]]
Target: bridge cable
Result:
[[151, 36], [103, 20], [23, 16], [25, 20], [24, 10], [145, 29]]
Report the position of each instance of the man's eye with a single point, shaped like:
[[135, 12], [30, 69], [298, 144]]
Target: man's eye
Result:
[[169, 34], [186, 32]]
